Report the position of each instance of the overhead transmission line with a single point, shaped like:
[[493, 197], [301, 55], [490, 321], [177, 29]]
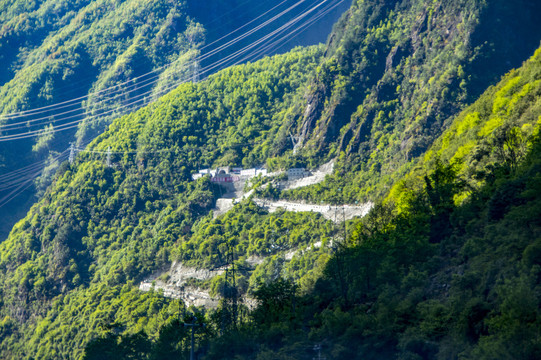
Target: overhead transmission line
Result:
[[25, 180], [64, 104], [66, 126], [239, 10], [122, 91], [21, 179], [22, 172], [302, 28], [208, 69], [75, 123], [13, 179]]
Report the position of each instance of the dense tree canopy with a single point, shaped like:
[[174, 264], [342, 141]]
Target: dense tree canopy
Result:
[[99, 229], [444, 266], [447, 267]]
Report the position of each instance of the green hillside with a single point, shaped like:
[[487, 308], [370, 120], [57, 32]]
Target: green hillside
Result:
[[71, 67], [395, 74], [488, 139], [447, 268], [99, 229], [404, 97], [54, 51]]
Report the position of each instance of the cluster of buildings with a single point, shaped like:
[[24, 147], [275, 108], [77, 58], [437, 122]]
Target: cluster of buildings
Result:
[[229, 174], [232, 174]]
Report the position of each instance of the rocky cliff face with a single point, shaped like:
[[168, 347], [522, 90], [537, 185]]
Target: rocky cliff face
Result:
[[396, 71]]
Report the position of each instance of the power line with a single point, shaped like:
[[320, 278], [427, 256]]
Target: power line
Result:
[[26, 183], [72, 124], [300, 29], [19, 172], [239, 10], [78, 99], [27, 172]]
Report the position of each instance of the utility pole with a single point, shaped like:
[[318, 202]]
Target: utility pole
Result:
[[72, 153], [195, 64], [195, 73], [318, 349], [230, 294], [344, 217], [108, 156], [193, 325], [339, 248], [296, 141], [336, 235], [345, 225]]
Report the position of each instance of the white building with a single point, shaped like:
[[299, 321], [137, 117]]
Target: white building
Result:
[[202, 173], [254, 172], [229, 174], [262, 172], [297, 173], [248, 172]]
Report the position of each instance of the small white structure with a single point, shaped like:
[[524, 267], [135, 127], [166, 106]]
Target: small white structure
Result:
[[229, 174], [248, 172], [202, 173], [261, 171], [254, 172], [297, 173]]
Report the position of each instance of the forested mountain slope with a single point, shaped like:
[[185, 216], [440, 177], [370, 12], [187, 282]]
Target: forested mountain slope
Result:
[[54, 51], [447, 268], [422, 277], [395, 73], [69, 267], [70, 67]]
